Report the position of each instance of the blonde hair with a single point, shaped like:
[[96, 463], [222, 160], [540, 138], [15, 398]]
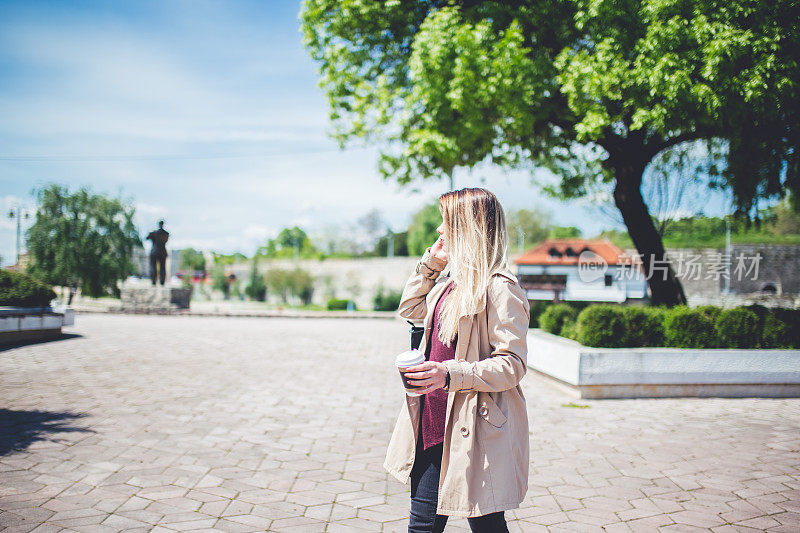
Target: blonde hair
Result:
[[477, 246]]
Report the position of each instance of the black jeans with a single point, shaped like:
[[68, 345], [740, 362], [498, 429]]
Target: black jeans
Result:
[[424, 494]]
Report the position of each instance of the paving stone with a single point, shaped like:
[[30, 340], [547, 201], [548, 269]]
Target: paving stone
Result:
[[240, 424]]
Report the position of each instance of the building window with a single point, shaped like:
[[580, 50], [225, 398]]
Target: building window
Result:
[[609, 280], [543, 281]]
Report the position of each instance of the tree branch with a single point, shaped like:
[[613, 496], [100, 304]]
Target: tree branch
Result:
[[653, 148]]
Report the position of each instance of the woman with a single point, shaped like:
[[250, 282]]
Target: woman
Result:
[[464, 443]]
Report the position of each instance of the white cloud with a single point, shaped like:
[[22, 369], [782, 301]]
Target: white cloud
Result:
[[302, 222], [255, 233], [151, 209]]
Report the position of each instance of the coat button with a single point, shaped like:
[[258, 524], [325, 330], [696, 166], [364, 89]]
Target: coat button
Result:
[[484, 411], [464, 431]]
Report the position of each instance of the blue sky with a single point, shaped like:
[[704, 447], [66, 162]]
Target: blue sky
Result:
[[207, 114]]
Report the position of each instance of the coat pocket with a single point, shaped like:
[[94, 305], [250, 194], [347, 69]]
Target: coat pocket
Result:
[[489, 411]]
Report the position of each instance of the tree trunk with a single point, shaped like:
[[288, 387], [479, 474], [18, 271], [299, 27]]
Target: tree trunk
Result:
[[665, 288]]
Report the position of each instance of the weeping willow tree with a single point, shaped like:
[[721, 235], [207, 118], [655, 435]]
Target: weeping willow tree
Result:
[[593, 90], [82, 240]]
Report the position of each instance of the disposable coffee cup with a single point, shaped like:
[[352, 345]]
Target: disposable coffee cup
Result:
[[406, 360]]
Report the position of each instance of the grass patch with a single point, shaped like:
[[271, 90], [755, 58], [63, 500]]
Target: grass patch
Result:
[[579, 406]]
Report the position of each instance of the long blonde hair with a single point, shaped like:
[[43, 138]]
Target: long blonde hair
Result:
[[477, 246]]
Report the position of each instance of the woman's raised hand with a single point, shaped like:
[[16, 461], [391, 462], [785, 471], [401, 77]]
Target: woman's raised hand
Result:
[[437, 250]]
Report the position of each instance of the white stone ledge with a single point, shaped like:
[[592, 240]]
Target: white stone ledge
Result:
[[24, 324], [664, 372]]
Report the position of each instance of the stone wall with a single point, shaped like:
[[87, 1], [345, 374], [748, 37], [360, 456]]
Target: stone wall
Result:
[[356, 279], [340, 278], [700, 270], [752, 269]]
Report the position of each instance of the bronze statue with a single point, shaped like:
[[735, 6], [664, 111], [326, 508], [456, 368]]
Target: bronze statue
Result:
[[158, 253]]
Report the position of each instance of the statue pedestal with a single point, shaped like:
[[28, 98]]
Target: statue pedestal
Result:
[[146, 298]]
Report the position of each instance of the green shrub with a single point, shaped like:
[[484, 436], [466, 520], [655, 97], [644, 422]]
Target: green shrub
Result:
[[774, 333], [569, 330], [386, 301], [301, 284], [556, 317], [21, 290], [737, 328], [712, 311], [336, 304], [790, 334], [762, 313], [295, 282], [689, 328], [644, 326], [537, 308], [257, 288], [600, 325]]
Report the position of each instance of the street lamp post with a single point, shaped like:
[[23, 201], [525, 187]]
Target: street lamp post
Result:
[[16, 212], [727, 282]]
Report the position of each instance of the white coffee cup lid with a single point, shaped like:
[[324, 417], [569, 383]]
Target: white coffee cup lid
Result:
[[410, 358]]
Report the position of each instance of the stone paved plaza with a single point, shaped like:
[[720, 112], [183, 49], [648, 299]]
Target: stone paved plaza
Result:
[[153, 423]]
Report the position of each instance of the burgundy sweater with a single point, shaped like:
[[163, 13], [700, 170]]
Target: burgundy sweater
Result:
[[434, 404]]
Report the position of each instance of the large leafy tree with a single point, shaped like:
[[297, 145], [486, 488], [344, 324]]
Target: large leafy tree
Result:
[[82, 240], [533, 225], [192, 259], [284, 244], [592, 89]]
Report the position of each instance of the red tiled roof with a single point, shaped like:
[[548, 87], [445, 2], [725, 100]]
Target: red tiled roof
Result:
[[541, 255]]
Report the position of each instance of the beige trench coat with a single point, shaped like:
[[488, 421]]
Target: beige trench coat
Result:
[[486, 441]]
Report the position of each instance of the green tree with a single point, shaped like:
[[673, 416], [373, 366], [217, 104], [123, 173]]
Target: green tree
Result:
[[564, 232], [257, 288], [400, 247], [782, 219], [296, 282], [534, 224], [228, 259], [277, 280], [283, 246], [422, 230], [82, 240], [301, 284], [591, 89], [192, 259], [220, 281]]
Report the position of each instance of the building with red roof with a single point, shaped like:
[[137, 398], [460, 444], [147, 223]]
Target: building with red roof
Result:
[[581, 270]]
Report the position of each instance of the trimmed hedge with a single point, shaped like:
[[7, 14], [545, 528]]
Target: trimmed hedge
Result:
[[600, 325], [689, 328], [21, 290], [790, 336], [644, 326], [707, 326], [556, 317], [738, 328], [711, 310], [537, 308], [335, 304]]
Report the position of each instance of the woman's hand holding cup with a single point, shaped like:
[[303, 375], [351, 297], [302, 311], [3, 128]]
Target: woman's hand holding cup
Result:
[[431, 375]]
